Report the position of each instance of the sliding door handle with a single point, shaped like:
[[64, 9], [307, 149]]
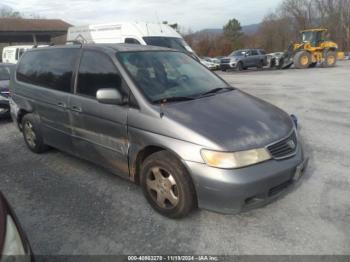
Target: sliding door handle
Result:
[[76, 109], [61, 104]]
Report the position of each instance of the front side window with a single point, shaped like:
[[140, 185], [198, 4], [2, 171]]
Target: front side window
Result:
[[164, 74], [97, 72], [50, 68]]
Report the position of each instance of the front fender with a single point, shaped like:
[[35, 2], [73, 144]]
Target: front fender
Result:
[[140, 139]]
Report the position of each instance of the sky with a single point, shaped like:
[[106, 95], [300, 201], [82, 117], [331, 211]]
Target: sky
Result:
[[189, 14]]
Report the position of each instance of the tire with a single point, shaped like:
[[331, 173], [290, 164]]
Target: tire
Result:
[[302, 60], [260, 65], [165, 178], [32, 134], [312, 65], [240, 66], [330, 59]]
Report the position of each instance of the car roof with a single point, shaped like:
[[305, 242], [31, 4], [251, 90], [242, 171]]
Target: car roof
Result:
[[107, 47]]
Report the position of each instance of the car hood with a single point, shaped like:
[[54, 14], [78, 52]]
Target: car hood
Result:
[[233, 121]]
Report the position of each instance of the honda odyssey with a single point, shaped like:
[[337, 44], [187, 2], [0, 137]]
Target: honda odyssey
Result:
[[161, 119]]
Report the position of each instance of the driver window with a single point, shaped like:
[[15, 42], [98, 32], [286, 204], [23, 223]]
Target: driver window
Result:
[[97, 71]]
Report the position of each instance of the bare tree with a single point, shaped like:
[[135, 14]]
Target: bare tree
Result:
[[6, 12]]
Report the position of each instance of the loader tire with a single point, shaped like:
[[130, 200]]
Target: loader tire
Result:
[[330, 59], [302, 60]]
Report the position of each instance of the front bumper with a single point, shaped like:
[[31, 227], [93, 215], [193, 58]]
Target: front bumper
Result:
[[228, 66], [233, 191]]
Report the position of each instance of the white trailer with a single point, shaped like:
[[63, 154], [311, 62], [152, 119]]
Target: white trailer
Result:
[[11, 54]]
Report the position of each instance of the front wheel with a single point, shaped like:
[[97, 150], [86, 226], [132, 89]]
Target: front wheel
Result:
[[330, 59], [302, 60], [240, 66], [167, 185]]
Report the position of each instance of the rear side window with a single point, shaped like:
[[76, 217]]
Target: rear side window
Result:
[[48, 68], [262, 52], [96, 72]]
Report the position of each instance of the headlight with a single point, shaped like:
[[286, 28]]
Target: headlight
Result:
[[234, 159], [13, 245]]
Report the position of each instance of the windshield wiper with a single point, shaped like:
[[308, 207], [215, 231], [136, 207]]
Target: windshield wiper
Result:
[[216, 90], [173, 99]]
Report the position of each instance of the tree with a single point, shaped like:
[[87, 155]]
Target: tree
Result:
[[233, 33], [8, 12]]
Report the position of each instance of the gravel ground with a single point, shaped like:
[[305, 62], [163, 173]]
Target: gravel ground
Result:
[[69, 206]]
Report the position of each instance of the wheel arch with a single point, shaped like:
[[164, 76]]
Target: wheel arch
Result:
[[142, 154]]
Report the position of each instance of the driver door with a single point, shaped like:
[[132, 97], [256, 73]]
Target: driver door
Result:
[[99, 130]]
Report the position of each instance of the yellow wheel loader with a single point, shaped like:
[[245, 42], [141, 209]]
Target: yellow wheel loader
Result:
[[314, 48]]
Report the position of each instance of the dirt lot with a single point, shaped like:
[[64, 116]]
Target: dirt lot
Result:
[[68, 206]]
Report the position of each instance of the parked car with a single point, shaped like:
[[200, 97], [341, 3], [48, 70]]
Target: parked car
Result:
[[159, 118], [208, 64], [274, 60], [13, 240], [215, 61], [347, 56], [243, 59], [5, 72]]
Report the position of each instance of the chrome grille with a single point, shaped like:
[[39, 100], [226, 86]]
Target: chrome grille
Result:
[[284, 148], [225, 61]]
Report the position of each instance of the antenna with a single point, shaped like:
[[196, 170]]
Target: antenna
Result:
[[160, 25]]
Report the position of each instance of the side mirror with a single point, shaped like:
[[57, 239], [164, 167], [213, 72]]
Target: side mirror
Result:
[[109, 96]]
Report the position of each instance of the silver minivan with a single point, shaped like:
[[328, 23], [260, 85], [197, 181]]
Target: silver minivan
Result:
[[161, 119]]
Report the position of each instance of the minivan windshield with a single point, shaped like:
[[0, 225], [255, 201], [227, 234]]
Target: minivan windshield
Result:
[[170, 75], [4, 73]]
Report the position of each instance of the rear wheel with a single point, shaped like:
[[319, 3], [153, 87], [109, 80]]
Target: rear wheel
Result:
[[167, 186], [330, 59], [302, 60], [32, 134]]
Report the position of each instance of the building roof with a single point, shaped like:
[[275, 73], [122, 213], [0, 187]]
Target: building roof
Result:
[[32, 25]]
